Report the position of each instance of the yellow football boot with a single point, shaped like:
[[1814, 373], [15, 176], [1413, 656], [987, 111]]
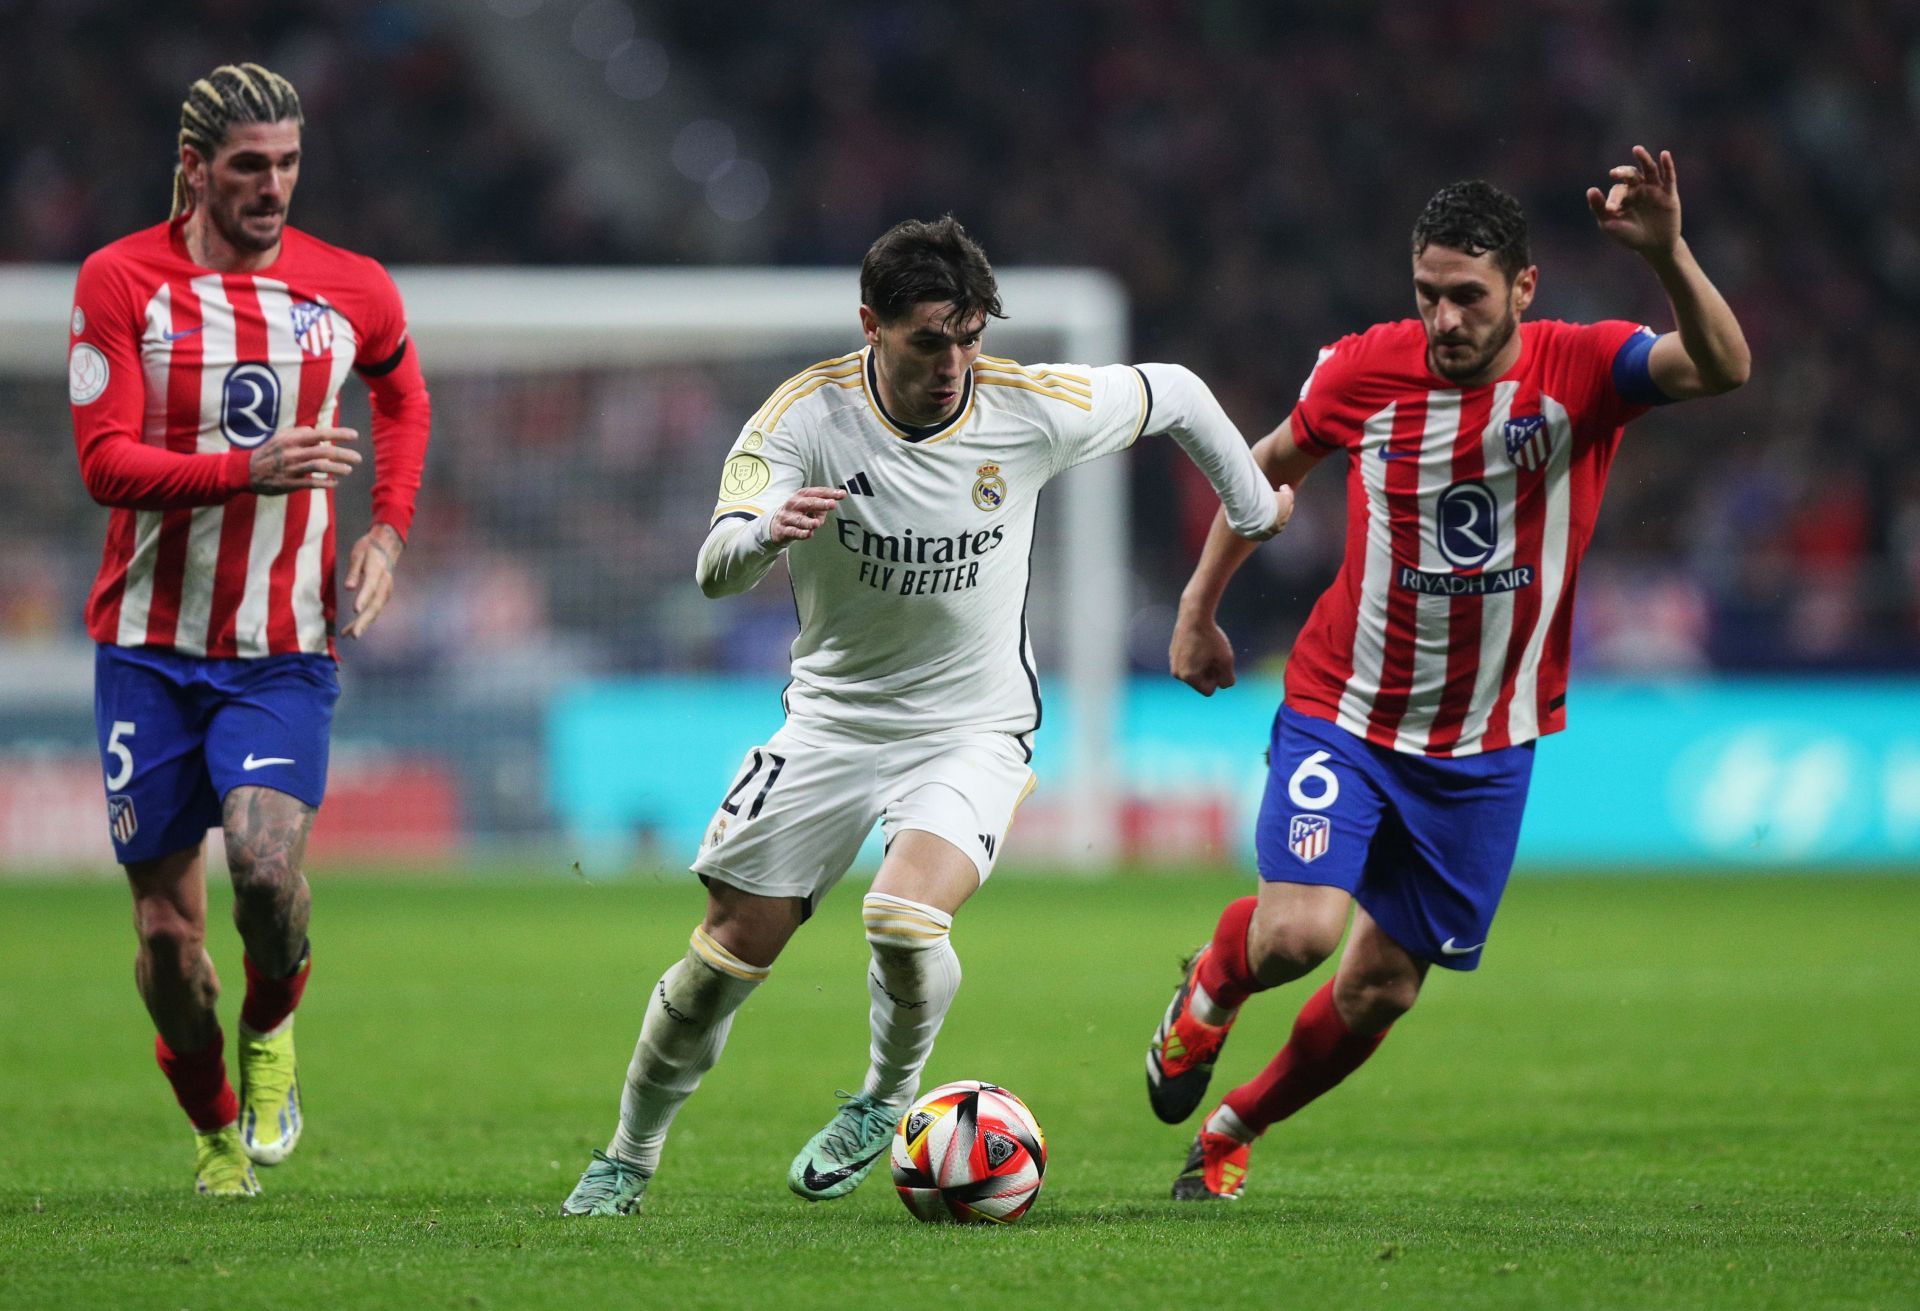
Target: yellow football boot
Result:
[[270, 1119], [220, 1165]]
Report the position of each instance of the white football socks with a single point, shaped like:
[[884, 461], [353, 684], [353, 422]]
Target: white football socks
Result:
[[688, 1016], [912, 981]]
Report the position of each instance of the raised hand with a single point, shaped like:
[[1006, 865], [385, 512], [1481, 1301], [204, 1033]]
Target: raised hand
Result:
[[803, 512], [302, 457], [1641, 210]]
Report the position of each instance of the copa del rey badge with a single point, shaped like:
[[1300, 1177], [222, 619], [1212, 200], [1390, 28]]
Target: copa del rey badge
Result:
[[313, 327], [1529, 442], [1309, 836]]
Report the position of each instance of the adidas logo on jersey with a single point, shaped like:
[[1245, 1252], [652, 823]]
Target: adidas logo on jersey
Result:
[[986, 840], [858, 485]]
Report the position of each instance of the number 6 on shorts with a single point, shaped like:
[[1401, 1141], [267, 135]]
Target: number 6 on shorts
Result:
[[1314, 770]]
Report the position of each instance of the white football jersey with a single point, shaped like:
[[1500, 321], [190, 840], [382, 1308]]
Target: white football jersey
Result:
[[913, 594]]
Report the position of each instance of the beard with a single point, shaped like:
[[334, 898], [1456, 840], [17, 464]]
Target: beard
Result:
[[232, 226], [1497, 340]]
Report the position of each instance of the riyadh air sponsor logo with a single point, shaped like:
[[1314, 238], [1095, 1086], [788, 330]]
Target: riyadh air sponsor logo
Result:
[[249, 404], [1427, 583], [1529, 442], [1309, 836], [1467, 524]]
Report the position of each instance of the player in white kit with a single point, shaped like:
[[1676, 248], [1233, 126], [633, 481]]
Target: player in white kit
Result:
[[901, 481]]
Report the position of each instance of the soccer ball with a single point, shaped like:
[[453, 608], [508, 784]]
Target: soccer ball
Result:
[[969, 1152]]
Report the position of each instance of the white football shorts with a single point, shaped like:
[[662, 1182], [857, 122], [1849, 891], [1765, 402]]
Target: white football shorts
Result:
[[801, 805]]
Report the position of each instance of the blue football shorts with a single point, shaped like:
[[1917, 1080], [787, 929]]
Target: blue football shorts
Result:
[[177, 733], [1425, 844]]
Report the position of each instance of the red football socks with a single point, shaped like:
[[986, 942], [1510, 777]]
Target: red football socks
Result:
[[1321, 1052], [1223, 971], [199, 1082], [270, 1001]]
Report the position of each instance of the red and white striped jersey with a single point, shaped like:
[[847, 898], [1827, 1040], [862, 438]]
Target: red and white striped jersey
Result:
[[1446, 632], [176, 374]]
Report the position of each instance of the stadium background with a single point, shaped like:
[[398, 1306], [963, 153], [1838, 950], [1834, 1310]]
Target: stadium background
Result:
[[1750, 615], [1662, 1090]]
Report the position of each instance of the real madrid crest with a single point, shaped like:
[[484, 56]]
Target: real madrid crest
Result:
[[989, 489]]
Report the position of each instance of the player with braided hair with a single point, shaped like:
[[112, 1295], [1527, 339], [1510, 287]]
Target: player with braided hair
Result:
[[204, 369], [230, 95]]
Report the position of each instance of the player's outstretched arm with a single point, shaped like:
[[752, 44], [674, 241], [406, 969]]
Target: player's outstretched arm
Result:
[[738, 553], [1186, 409], [1708, 353], [1200, 655]]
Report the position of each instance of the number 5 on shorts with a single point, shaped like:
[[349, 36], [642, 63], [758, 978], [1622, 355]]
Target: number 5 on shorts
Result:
[[732, 806], [122, 754]]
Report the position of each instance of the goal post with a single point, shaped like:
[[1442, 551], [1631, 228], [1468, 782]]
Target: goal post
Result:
[[474, 324]]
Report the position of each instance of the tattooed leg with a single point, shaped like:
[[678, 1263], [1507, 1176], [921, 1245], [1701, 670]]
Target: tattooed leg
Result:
[[266, 847]]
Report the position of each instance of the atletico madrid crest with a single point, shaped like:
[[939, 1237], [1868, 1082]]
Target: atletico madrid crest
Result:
[[313, 327], [121, 819], [1529, 442], [1309, 836]]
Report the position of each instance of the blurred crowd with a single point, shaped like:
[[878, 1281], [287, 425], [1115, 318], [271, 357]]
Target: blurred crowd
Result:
[[1250, 171]]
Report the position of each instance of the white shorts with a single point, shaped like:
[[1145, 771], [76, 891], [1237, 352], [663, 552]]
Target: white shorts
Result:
[[801, 805]]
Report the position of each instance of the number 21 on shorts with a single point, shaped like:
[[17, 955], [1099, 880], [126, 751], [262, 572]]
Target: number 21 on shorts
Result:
[[774, 763]]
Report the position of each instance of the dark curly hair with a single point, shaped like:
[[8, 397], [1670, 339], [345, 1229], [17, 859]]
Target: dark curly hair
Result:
[[1475, 218], [916, 261]]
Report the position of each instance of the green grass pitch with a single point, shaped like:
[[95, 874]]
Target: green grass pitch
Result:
[[1664, 1093]]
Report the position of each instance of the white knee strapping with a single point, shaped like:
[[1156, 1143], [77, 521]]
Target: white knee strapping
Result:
[[912, 982]]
